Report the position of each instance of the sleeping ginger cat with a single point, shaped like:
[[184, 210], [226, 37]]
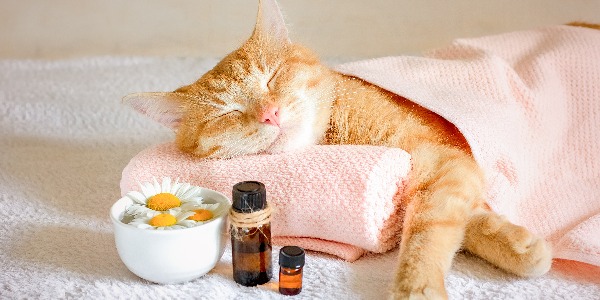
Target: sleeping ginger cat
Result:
[[271, 95]]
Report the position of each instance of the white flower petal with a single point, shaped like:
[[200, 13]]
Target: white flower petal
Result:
[[194, 190], [156, 185], [182, 189], [184, 215], [141, 222], [139, 210], [148, 190], [188, 206], [173, 211], [166, 185], [187, 223], [174, 188], [176, 210], [137, 197], [152, 213], [194, 204]]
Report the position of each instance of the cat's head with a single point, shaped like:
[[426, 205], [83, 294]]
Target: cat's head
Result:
[[268, 96]]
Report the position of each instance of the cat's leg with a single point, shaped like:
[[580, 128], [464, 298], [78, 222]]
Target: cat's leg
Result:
[[506, 245], [444, 189]]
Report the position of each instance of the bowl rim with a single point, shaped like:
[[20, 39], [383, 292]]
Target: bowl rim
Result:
[[114, 214]]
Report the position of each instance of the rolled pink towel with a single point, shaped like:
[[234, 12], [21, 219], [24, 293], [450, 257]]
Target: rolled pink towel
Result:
[[341, 200]]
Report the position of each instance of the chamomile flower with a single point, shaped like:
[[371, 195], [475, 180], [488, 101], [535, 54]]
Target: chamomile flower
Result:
[[163, 196], [203, 212], [164, 220]]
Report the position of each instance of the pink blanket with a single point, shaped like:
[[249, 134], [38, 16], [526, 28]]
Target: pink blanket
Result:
[[342, 200], [529, 105]]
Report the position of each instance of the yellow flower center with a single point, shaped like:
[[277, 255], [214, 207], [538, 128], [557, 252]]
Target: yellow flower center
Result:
[[201, 215], [163, 220], [163, 201]]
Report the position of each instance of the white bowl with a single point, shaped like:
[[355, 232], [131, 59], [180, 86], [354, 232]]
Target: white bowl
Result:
[[172, 256]]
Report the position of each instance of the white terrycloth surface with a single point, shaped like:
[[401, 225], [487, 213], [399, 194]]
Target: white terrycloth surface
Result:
[[64, 140]]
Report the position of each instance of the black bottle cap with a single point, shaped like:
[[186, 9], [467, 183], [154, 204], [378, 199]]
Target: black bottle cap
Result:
[[249, 196], [291, 257]]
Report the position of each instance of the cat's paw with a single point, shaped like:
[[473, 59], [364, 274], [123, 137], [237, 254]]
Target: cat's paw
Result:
[[423, 293], [422, 284], [532, 255], [509, 246]]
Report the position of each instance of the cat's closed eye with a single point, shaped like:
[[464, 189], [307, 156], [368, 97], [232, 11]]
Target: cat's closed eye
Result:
[[272, 81], [231, 113]]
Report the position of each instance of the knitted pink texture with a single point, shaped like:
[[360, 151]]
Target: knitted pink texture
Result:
[[529, 104], [342, 200]]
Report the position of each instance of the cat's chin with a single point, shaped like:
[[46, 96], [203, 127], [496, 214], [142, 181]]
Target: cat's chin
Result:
[[282, 145], [277, 148], [284, 150], [293, 138]]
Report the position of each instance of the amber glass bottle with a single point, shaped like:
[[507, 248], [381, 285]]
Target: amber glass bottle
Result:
[[251, 237], [291, 264]]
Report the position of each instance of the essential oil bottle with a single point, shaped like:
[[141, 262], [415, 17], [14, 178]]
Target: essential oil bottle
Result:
[[250, 219], [291, 264]]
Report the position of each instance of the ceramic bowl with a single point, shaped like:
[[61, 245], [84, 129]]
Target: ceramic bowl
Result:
[[172, 256]]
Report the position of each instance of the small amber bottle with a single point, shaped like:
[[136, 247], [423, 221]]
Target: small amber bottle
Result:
[[250, 234], [291, 263]]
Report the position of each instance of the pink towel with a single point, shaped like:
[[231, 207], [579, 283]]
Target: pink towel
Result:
[[342, 200], [529, 105]]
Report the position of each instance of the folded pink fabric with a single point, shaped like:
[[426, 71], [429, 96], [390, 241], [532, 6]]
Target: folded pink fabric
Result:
[[342, 200], [529, 104]]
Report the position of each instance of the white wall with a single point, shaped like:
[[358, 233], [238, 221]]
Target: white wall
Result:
[[335, 28]]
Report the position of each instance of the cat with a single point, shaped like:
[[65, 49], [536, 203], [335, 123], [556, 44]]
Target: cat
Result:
[[273, 96]]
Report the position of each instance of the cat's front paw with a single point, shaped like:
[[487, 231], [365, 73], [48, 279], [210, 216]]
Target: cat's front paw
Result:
[[423, 293], [423, 284]]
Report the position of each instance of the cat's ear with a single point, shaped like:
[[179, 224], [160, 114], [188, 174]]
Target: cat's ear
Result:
[[270, 26], [165, 108]]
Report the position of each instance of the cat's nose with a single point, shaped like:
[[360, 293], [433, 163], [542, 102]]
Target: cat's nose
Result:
[[270, 115]]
